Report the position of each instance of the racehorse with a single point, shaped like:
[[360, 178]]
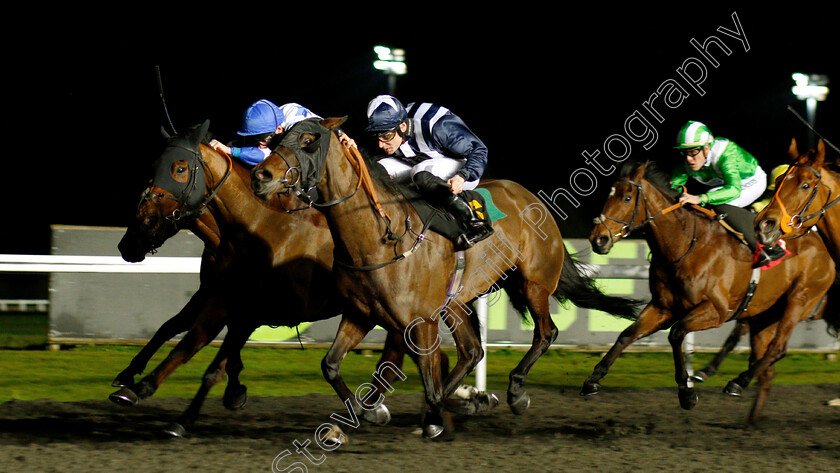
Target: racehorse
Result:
[[812, 188], [700, 278], [397, 275], [249, 245]]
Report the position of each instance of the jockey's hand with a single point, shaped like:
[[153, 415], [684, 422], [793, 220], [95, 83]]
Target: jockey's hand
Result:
[[219, 147], [456, 184], [690, 199], [346, 140]]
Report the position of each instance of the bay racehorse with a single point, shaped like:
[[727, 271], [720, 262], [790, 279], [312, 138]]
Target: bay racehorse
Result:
[[700, 278], [397, 275], [248, 245]]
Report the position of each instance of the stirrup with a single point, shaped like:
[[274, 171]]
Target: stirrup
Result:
[[474, 235]]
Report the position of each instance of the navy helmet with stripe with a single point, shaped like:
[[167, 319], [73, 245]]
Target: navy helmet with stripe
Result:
[[385, 113]]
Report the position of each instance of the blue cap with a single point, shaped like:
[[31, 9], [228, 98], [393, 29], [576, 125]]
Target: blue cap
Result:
[[260, 118], [385, 113]]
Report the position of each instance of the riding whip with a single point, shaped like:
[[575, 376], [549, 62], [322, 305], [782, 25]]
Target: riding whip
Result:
[[163, 101], [812, 128]]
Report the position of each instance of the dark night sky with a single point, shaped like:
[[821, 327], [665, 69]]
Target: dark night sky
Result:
[[538, 88]]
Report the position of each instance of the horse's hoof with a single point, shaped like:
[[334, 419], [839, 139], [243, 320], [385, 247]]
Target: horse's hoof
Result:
[[378, 416], [733, 389], [699, 377], [124, 397], [590, 388], [175, 430], [465, 392], [122, 381], [688, 398], [487, 401], [432, 431], [334, 437], [519, 406], [235, 399]]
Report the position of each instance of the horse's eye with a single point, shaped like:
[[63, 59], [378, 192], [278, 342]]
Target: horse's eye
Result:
[[627, 198], [181, 169], [806, 186]]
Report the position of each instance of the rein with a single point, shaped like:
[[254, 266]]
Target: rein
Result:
[[627, 229], [795, 221], [365, 181]]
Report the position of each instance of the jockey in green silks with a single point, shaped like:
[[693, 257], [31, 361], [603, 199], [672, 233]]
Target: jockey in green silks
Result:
[[732, 178]]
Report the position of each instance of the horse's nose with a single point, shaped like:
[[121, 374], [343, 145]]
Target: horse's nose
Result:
[[261, 175], [767, 225], [149, 221], [600, 244]]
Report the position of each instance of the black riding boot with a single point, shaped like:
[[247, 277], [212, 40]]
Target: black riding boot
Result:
[[437, 192], [743, 221]]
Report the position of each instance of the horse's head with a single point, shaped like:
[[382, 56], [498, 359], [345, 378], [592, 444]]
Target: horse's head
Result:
[[174, 195], [628, 206], [298, 161], [799, 191]]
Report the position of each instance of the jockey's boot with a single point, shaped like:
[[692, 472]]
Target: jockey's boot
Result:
[[438, 192], [768, 254], [477, 228], [743, 221]]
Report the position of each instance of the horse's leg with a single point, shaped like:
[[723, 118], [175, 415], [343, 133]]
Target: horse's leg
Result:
[[231, 346], [701, 317], [351, 330], [464, 330], [798, 308], [437, 423], [208, 325], [741, 328], [759, 341], [545, 332], [388, 369], [181, 322], [651, 320], [235, 395]]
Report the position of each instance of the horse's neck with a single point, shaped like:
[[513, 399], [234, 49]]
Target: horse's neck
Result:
[[355, 223], [665, 229], [829, 224], [233, 203]]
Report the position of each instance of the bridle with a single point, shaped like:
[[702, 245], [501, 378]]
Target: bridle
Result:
[[292, 181], [185, 212], [796, 221], [627, 227]]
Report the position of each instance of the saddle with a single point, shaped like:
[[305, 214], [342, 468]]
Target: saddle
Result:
[[441, 221]]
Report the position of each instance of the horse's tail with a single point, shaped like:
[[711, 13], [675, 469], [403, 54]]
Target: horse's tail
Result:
[[578, 286]]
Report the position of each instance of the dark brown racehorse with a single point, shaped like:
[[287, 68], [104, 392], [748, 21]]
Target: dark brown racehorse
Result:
[[249, 246], [397, 275], [699, 277]]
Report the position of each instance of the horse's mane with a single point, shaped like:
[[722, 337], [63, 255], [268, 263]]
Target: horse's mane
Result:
[[659, 178], [379, 175]]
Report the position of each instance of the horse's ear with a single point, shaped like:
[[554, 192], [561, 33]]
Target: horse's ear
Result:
[[202, 130], [164, 133], [639, 173], [819, 159], [793, 151], [334, 122]]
